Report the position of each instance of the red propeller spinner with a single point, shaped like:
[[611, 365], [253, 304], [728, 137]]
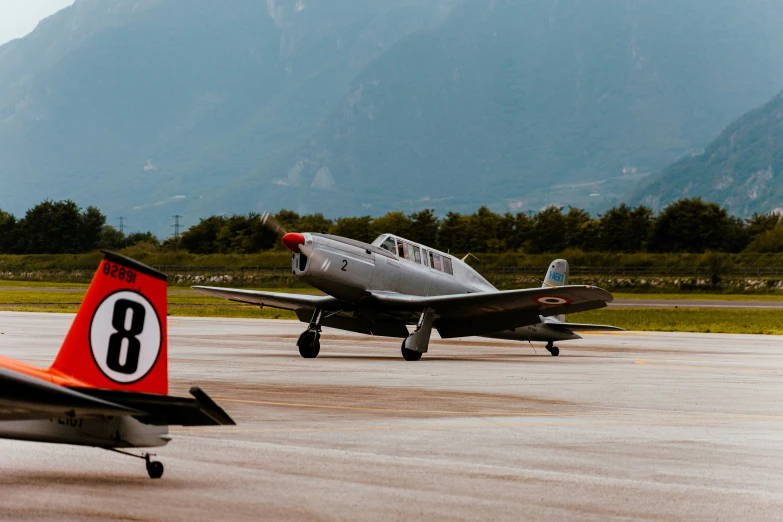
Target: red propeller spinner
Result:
[[292, 240]]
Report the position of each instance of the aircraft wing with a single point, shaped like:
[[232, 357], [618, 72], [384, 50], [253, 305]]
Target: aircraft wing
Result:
[[273, 299], [23, 397], [480, 313]]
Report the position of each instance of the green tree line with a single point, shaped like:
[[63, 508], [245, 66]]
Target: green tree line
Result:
[[62, 227], [685, 226]]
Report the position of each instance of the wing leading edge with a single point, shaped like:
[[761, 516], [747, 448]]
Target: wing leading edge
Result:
[[273, 299]]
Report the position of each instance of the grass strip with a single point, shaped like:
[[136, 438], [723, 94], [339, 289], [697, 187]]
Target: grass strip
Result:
[[38, 297], [231, 311], [703, 320], [13, 283], [700, 297]]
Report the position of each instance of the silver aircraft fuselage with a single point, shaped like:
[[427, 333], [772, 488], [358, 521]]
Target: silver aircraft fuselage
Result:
[[348, 270]]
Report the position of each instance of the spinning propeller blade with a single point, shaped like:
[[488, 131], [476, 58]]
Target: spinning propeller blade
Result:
[[291, 240], [269, 221]]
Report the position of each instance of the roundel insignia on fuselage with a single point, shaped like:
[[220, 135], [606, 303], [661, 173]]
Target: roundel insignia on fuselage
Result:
[[551, 300], [125, 336]]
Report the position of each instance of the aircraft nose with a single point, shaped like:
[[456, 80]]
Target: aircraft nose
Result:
[[292, 240]]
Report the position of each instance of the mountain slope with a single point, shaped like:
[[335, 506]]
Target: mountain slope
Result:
[[742, 169], [526, 103], [146, 107]]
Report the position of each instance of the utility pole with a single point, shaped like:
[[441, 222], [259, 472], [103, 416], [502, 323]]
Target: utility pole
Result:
[[176, 224], [122, 224]]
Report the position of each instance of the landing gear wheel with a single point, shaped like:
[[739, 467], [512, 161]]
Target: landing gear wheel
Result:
[[154, 468], [410, 355], [309, 344], [554, 350]]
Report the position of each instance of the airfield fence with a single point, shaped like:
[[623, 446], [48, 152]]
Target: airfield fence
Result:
[[281, 276]]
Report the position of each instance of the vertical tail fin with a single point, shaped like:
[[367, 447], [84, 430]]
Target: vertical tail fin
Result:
[[557, 275], [118, 339]]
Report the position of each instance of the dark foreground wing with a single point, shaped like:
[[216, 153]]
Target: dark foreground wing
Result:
[[23, 397], [165, 410], [273, 299], [486, 312]]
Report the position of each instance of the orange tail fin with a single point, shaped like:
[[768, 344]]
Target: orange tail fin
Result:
[[118, 338]]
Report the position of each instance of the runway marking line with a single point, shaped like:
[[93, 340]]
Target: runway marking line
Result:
[[683, 415], [473, 426], [361, 408]]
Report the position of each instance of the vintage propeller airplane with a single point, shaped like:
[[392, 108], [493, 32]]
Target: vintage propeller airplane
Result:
[[380, 288], [108, 386]]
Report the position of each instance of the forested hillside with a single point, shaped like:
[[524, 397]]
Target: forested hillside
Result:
[[528, 103], [742, 169], [352, 107], [151, 107]]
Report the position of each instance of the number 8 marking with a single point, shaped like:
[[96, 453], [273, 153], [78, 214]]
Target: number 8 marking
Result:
[[126, 336], [114, 353]]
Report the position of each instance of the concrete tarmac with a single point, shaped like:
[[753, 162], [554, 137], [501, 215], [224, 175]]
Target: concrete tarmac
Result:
[[624, 426]]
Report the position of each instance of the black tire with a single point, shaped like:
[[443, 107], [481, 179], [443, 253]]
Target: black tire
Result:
[[155, 469], [410, 355], [555, 351], [309, 344]]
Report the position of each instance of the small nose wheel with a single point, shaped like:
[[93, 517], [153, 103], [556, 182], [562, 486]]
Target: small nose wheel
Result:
[[309, 342], [154, 468], [554, 350]]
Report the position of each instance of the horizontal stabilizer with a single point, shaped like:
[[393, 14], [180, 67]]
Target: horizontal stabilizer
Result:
[[581, 327], [165, 410]]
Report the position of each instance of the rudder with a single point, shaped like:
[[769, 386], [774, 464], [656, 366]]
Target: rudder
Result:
[[118, 339], [557, 275]]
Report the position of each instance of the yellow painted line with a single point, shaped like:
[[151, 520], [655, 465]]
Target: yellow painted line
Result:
[[646, 362], [628, 422], [390, 410], [684, 415]]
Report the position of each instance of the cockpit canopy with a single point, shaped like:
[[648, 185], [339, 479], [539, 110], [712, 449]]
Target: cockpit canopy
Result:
[[415, 253]]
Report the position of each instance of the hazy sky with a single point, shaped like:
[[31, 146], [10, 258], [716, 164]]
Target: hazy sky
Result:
[[19, 17]]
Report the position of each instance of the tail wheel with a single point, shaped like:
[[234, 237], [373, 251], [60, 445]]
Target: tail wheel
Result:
[[154, 468], [410, 355], [309, 344]]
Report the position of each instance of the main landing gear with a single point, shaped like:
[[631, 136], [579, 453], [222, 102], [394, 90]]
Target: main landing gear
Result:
[[416, 344], [154, 468], [410, 355], [554, 350], [309, 342]]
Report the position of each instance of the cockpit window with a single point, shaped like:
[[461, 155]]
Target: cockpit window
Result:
[[400, 249], [447, 266], [416, 255], [390, 245], [436, 261]]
